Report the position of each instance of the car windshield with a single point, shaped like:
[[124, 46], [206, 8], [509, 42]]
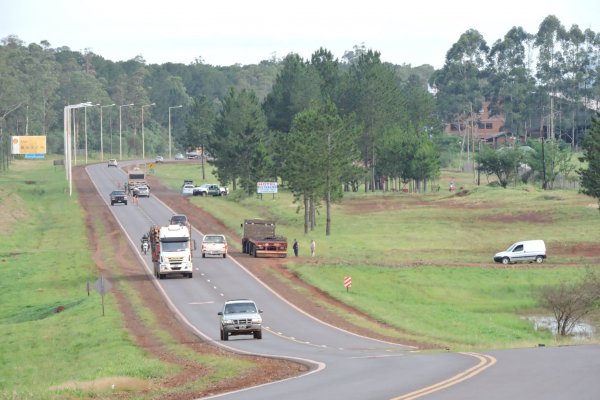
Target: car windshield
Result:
[[214, 239], [240, 308], [118, 192]]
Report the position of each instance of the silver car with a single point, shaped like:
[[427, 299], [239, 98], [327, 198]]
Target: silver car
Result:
[[142, 191], [240, 317]]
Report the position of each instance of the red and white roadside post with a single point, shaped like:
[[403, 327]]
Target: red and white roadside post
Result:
[[347, 282]]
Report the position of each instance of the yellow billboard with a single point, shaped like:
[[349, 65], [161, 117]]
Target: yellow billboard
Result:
[[28, 144]]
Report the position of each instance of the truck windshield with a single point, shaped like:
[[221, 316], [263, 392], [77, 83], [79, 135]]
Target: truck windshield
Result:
[[175, 246]]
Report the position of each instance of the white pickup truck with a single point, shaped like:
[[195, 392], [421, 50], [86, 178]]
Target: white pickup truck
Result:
[[214, 245]]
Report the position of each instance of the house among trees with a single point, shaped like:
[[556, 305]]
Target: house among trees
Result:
[[481, 127]]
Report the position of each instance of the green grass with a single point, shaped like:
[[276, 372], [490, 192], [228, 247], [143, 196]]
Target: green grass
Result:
[[423, 262], [45, 264]]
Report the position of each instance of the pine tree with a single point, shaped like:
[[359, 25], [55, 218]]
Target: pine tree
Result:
[[590, 176]]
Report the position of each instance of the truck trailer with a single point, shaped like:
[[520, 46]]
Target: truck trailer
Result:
[[171, 248], [259, 239], [135, 177]]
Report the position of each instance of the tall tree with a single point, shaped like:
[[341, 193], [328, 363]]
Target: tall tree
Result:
[[200, 123], [238, 144], [321, 149], [460, 84], [372, 93], [590, 175], [296, 86]]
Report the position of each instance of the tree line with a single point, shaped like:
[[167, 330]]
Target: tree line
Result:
[[319, 125]]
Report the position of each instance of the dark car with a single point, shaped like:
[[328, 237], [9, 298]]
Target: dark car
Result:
[[118, 196], [178, 219]]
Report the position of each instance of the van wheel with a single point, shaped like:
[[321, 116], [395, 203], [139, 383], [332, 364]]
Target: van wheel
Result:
[[257, 334], [539, 259], [506, 260]]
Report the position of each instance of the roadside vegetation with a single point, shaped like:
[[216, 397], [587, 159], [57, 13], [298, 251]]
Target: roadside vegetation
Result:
[[55, 341], [422, 262]]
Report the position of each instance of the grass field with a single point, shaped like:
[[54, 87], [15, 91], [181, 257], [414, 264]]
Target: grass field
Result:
[[423, 262]]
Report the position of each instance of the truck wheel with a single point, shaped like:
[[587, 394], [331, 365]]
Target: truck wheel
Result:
[[506, 260], [125, 203], [539, 259], [224, 255], [203, 255], [257, 334], [112, 203], [224, 335], [190, 275]]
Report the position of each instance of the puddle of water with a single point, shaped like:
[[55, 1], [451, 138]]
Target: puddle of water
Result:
[[581, 330]]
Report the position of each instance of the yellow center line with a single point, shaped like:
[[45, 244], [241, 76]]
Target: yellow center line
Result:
[[485, 361]]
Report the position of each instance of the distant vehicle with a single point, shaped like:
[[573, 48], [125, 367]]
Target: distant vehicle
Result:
[[113, 163], [187, 189], [524, 251], [207, 189], [192, 156], [118, 196], [178, 219], [136, 177], [142, 191], [240, 317], [160, 159], [179, 156], [259, 240], [214, 245]]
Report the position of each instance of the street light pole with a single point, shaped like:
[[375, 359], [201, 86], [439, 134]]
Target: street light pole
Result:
[[101, 140], [67, 115], [179, 106], [120, 131], [85, 129], [143, 138]]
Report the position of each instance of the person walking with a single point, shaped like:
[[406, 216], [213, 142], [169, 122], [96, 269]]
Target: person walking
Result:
[[313, 248], [295, 246]]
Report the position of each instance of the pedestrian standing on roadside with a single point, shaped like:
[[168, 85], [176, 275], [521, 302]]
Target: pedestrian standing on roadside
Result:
[[295, 246], [313, 247], [136, 200]]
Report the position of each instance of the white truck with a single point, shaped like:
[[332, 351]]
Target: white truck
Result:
[[171, 247], [214, 245], [523, 251]]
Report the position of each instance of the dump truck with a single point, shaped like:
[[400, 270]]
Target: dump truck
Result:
[[259, 239], [171, 247]]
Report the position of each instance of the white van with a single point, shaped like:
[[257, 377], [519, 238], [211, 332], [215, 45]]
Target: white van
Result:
[[524, 251]]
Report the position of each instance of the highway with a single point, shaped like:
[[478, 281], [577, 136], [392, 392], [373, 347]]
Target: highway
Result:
[[344, 365]]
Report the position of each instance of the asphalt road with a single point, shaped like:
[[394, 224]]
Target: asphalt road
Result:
[[344, 365]]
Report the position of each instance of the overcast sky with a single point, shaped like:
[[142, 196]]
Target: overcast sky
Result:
[[246, 32]]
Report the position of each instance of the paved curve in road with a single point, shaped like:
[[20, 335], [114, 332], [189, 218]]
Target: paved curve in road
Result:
[[344, 365]]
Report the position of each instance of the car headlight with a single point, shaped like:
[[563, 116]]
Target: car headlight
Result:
[[256, 320], [227, 322]]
